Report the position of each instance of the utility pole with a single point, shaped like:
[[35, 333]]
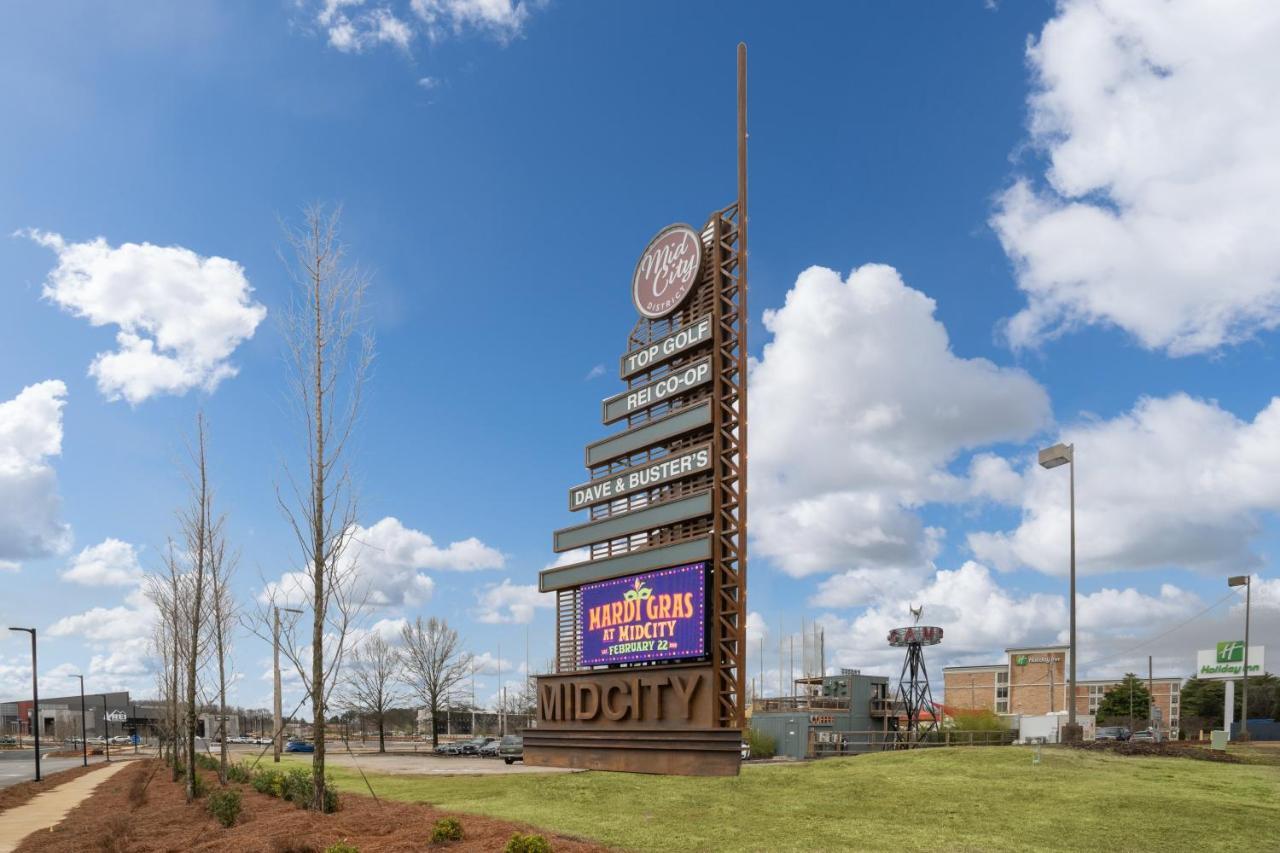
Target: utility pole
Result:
[[277, 735]]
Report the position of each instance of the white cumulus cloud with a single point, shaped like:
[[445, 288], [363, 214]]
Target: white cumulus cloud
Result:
[[180, 315], [109, 563], [1176, 481], [858, 406], [502, 20], [354, 26], [508, 602], [1160, 120], [30, 507], [391, 562]]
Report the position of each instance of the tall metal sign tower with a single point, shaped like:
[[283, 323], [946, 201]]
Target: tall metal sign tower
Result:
[[651, 628], [914, 694]]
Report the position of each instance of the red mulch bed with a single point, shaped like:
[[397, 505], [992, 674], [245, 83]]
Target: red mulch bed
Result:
[[1166, 749], [164, 821], [16, 795]]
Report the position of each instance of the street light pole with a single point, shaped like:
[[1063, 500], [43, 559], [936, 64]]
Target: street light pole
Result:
[[1247, 582], [84, 735], [1052, 457], [35, 697]]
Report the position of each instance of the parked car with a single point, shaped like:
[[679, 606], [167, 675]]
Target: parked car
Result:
[[1149, 735], [121, 740], [8, 740], [489, 750], [472, 747], [1111, 733], [299, 746], [451, 749], [511, 749]]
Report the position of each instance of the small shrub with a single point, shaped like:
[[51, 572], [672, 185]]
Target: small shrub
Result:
[[297, 787], [207, 762], [224, 804], [527, 844], [762, 745], [446, 829], [239, 772], [342, 847], [269, 782]]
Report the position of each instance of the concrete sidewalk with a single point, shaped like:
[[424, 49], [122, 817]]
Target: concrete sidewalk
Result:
[[47, 809]]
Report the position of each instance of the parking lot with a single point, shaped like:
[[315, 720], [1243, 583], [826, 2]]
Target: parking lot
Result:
[[400, 758]]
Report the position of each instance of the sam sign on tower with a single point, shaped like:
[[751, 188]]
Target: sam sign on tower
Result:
[[650, 628]]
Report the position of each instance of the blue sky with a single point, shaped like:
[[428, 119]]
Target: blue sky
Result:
[[501, 167]]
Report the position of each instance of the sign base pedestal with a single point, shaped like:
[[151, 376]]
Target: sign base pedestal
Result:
[[684, 752]]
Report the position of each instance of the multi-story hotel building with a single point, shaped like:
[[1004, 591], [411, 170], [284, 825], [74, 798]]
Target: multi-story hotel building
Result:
[[1033, 681]]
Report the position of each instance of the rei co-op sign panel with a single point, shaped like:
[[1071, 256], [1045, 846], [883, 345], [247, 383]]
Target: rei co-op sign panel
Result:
[[678, 381], [1226, 661], [644, 618]]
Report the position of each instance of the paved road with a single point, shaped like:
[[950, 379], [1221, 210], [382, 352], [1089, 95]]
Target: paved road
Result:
[[18, 765]]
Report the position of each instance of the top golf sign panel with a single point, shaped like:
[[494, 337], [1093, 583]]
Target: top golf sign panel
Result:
[[667, 271]]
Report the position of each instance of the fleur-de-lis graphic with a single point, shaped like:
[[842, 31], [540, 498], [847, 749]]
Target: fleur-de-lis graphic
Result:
[[637, 592]]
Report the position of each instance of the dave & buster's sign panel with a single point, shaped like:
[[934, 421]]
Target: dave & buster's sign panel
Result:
[[648, 617]]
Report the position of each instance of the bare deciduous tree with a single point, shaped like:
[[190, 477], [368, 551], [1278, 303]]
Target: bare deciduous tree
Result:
[[372, 681], [329, 353], [435, 664], [196, 523], [222, 620]]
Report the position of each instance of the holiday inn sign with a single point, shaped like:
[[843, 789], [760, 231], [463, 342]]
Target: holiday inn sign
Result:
[[1226, 660]]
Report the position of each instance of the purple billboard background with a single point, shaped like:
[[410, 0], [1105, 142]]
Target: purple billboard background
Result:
[[629, 625]]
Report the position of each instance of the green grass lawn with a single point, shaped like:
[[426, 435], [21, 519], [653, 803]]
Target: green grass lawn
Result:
[[937, 799]]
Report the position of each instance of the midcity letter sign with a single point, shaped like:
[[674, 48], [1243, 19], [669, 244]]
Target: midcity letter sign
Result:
[[1226, 661]]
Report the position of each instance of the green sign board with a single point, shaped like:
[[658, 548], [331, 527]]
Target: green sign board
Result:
[[1231, 652]]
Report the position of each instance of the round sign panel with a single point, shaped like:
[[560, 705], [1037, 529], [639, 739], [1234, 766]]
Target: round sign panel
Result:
[[667, 271], [924, 635]]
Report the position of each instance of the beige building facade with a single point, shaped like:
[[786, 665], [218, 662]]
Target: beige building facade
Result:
[[1032, 681]]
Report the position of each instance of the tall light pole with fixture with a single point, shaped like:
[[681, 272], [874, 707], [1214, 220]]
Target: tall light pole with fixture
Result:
[[35, 697], [1052, 457], [277, 736], [1246, 582]]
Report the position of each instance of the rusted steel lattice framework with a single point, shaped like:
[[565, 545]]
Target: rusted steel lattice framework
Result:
[[729, 488]]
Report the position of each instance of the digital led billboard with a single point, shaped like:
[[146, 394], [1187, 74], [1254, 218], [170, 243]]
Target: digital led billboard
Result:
[[647, 617]]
